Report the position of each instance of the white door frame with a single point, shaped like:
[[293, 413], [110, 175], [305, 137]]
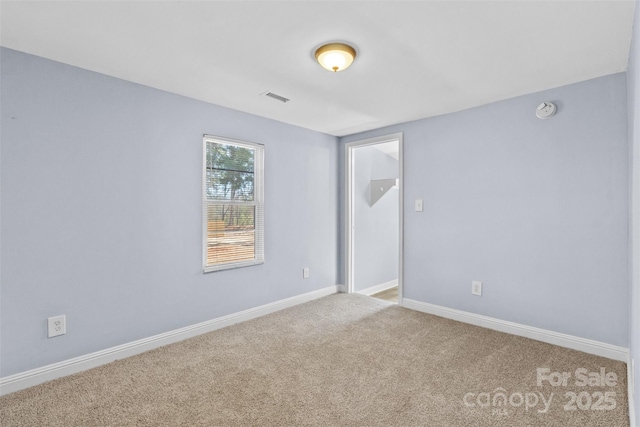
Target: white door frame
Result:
[[349, 211]]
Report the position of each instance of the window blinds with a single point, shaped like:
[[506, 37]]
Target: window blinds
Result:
[[233, 203]]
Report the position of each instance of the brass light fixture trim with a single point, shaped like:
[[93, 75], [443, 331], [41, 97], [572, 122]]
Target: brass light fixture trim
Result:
[[335, 56]]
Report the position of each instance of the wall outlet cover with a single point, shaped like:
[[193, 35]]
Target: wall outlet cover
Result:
[[57, 325], [476, 288]]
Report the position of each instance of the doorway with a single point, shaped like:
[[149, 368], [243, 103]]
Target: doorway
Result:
[[374, 217]]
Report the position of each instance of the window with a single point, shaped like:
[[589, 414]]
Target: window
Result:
[[233, 203]]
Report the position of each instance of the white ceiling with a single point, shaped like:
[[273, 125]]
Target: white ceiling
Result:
[[416, 59]]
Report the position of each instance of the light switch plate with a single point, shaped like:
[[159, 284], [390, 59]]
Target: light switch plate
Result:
[[419, 207]]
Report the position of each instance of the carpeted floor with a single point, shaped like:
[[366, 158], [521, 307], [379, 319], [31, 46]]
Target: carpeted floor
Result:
[[343, 360]]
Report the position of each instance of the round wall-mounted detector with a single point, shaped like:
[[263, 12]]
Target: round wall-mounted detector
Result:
[[546, 110]]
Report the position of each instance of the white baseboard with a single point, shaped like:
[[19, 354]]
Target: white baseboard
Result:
[[569, 341], [379, 288], [630, 394], [43, 374], [342, 289]]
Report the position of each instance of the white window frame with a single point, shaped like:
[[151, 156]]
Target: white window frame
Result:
[[258, 202]]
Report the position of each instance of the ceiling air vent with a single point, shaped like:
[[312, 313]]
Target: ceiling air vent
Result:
[[277, 97]]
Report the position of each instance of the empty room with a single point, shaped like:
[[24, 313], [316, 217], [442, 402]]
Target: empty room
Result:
[[319, 213]]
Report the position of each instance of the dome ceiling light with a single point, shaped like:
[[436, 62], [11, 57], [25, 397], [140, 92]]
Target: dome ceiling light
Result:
[[335, 56]]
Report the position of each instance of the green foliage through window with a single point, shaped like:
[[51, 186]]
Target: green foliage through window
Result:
[[230, 171]]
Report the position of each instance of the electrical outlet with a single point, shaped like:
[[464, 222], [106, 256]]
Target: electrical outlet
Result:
[[476, 288], [57, 325], [305, 273]]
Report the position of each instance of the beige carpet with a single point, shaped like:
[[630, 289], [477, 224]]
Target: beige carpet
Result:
[[343, 360]]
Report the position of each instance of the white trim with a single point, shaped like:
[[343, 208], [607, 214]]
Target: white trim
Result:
[[348, 168], [630, 393], [379, 288], [401, 219], [40, 375], [569, 341]]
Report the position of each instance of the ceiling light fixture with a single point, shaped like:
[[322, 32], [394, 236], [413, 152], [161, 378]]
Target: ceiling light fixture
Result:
[[335, 56]]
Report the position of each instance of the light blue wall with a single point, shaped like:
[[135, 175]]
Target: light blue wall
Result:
[[633, 101], [536, 209], [102, 213], [376, 227]]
